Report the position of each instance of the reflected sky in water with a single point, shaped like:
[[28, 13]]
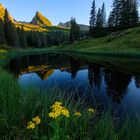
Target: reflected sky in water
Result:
[[103, 86]]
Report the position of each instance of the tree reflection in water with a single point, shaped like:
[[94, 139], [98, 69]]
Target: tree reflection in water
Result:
[[94, 81]]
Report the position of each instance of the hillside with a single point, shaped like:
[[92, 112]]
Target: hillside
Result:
[[127, 41], [30, 27], [2, 12]]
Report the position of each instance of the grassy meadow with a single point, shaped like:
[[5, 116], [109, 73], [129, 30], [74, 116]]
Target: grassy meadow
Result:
[[125, 44]]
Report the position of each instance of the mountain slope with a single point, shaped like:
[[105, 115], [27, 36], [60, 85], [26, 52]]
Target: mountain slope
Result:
[[41, 20], [127, 42], [2, 13]]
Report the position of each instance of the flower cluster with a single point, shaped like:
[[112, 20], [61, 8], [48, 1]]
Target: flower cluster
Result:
[[91, 110], [35, 121], [57, 110], [78, 114], [30, 125]]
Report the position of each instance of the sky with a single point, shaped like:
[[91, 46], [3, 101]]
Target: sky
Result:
[[55, 10]]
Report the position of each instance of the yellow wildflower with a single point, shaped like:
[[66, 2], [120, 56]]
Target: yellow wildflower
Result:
[[58, 103], [54, 114], [77, 114], [91, 110], [30, 125], [65, 112], [56, 107], [36, 120], [57, 110]]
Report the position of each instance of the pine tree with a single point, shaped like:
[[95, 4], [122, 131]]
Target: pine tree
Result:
[[37, 40], [129, 13], [22, 37], [101, 17], [43, 40], [10, 31], [75, 31], [2, 34], [103, 14], [111, 20], [30, 39], [134, 15], [124, 14], [114, 16], [99, 22], [92, 20]]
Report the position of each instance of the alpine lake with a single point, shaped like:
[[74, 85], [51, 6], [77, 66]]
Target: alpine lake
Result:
[[106, 83]]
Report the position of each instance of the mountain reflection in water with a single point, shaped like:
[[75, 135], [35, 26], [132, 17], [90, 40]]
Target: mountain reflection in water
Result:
[[104, 86]]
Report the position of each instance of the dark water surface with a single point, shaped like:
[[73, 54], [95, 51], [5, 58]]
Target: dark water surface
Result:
[[107, 86]]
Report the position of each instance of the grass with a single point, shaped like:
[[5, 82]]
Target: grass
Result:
[[19, 106], [127, 44]]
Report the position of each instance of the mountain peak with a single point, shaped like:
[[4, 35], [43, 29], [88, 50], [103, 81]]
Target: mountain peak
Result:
[[39, 19], [38, 13]]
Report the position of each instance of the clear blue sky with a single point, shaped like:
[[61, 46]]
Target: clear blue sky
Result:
[[56, 10]]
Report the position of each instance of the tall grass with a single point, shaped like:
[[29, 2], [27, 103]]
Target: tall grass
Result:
[[19, 106]]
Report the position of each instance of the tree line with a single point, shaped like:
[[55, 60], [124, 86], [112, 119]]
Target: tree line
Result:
[[18, 37], [124, 15]]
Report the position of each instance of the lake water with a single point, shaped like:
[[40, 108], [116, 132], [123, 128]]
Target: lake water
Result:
[[104, 86]]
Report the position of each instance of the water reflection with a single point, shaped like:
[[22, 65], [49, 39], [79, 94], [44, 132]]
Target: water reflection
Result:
[[101, 85], [117, 85]]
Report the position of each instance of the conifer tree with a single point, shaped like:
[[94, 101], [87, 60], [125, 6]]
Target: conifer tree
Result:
[[111, 20], [99, 22], [75, 31], [103, 14], [101, 17], [22, 37], [10, 31], [43, 40], [134, 14], [2, 34], [124, 14], [37, 40], [114, 16], [92, 20]]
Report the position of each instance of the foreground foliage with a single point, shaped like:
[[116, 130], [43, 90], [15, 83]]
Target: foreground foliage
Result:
[[43, 115]]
